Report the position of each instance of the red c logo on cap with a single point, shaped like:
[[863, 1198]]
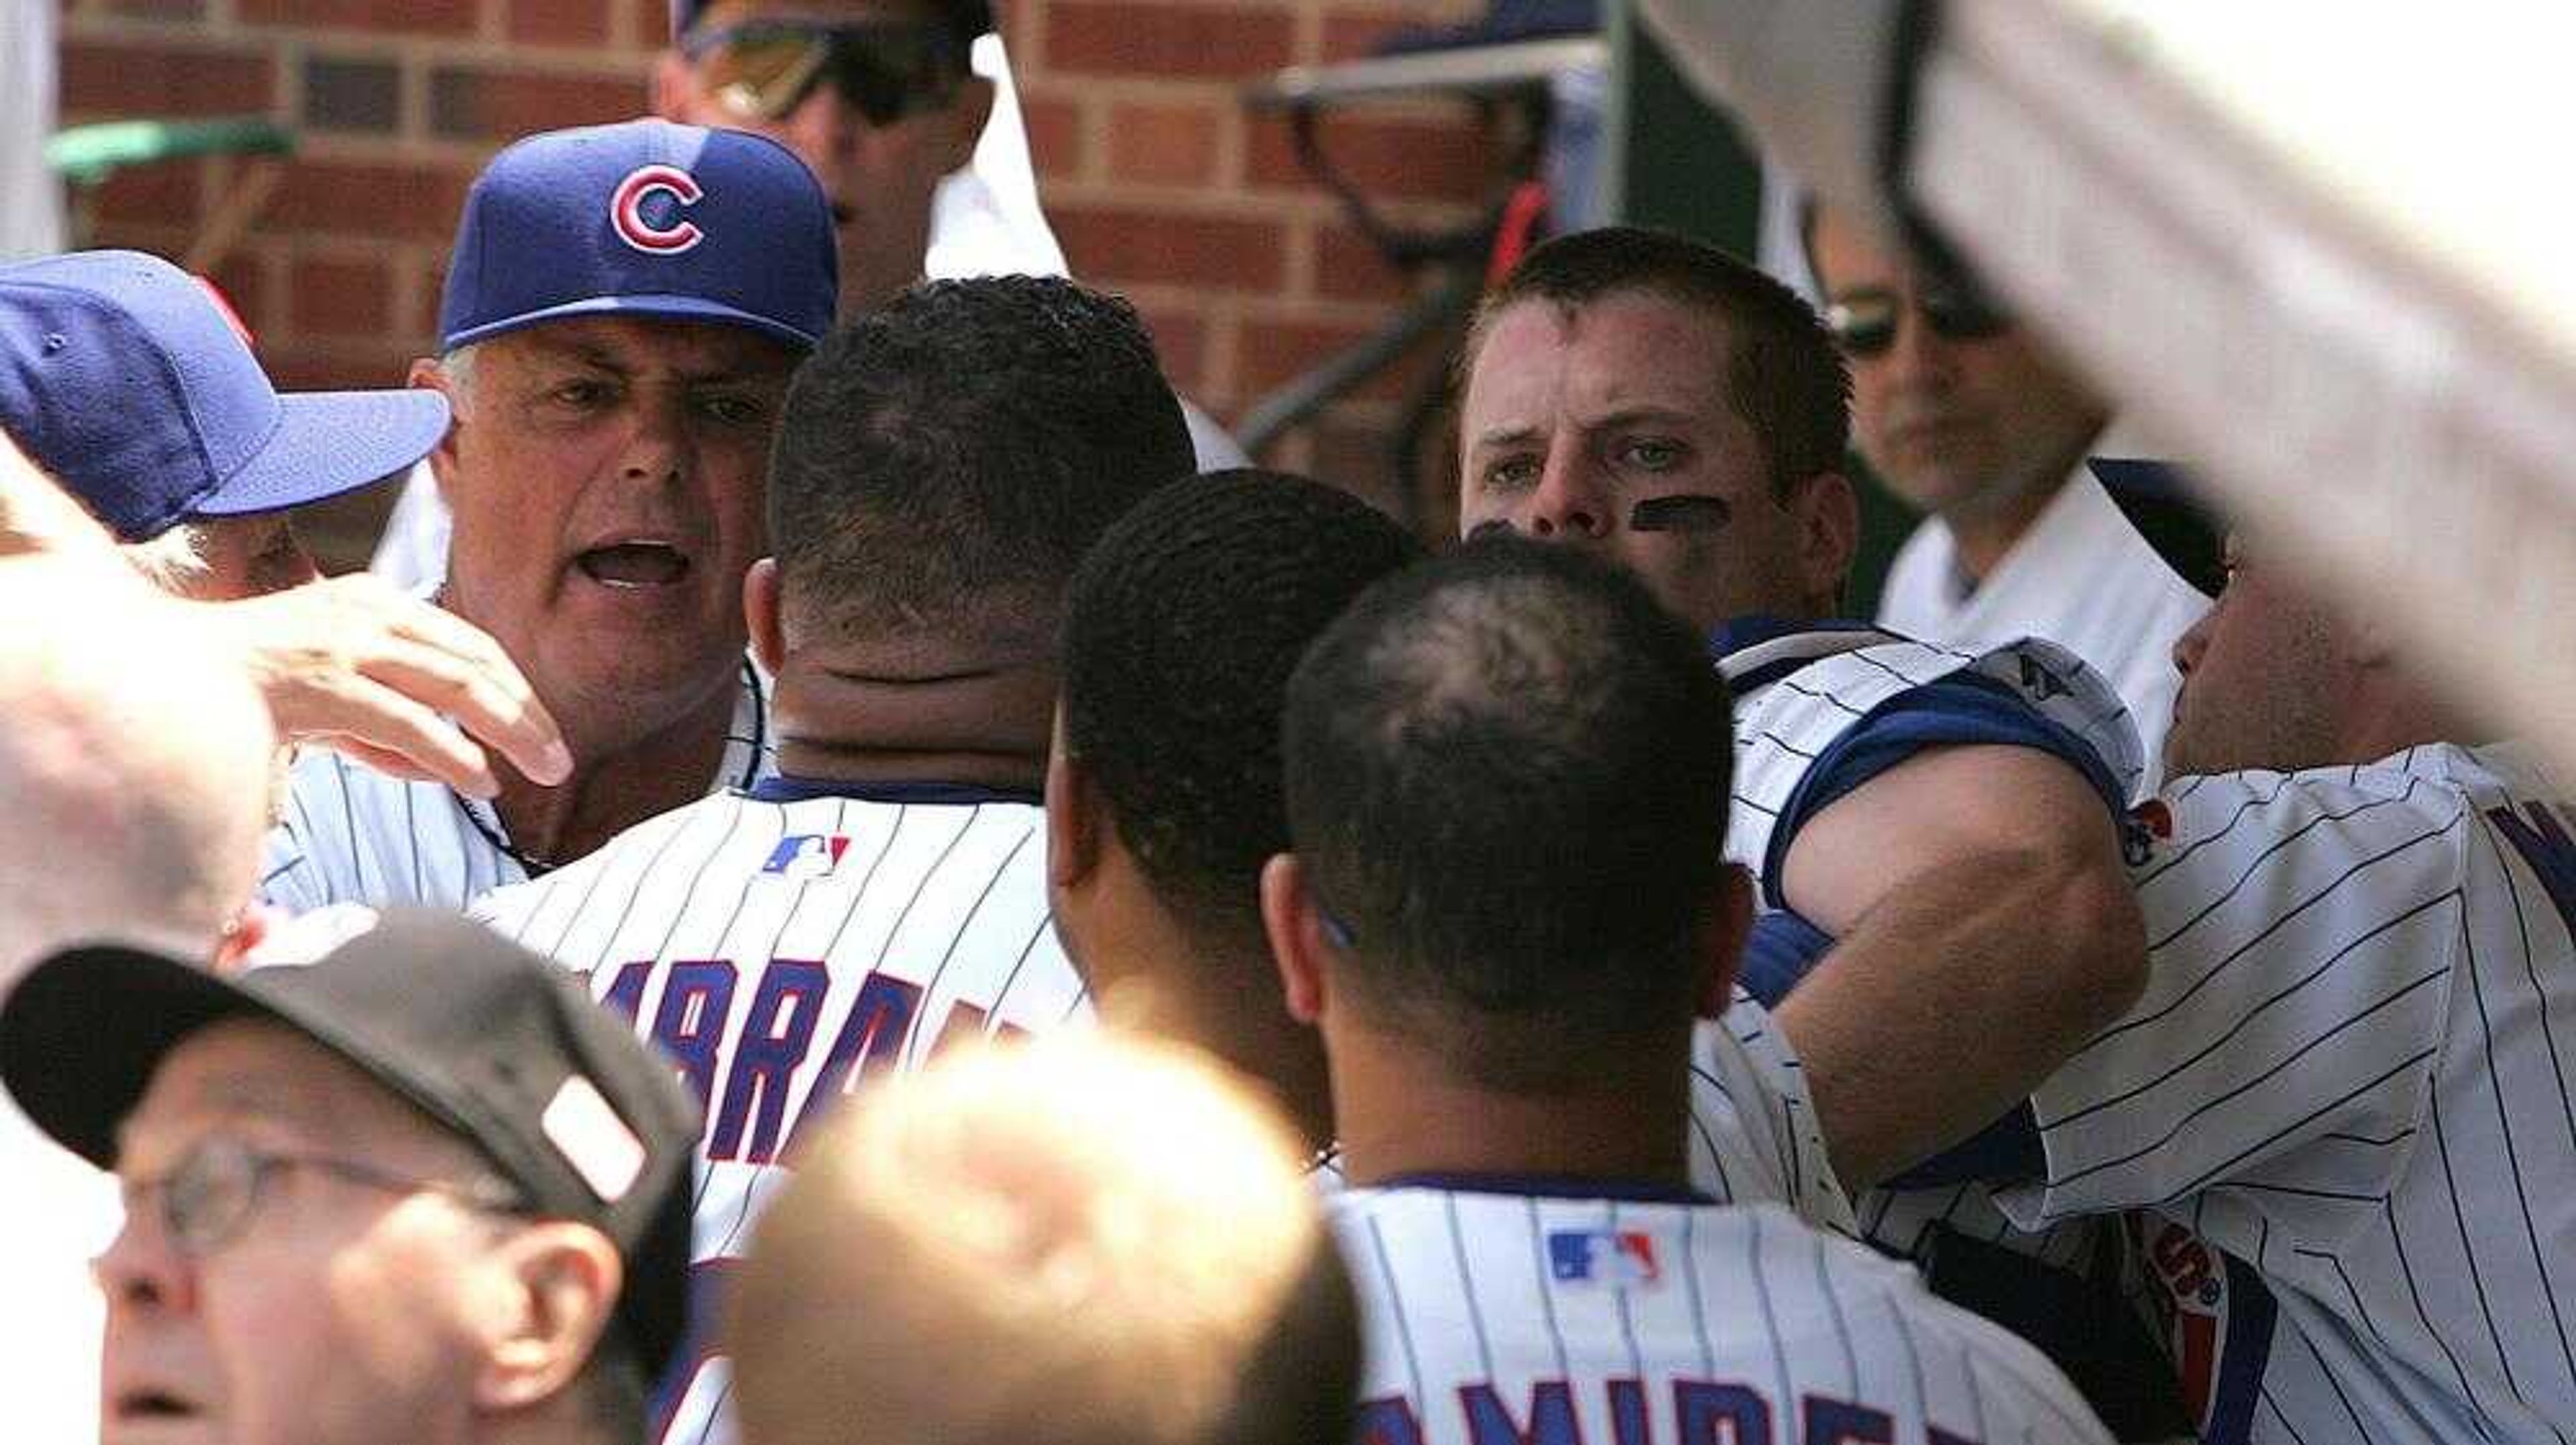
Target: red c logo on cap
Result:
[[626, 210]]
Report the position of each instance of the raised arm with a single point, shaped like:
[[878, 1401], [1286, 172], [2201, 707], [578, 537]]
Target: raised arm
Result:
[[1985, 928]]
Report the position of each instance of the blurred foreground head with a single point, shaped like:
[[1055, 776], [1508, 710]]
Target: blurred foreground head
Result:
[[1092, 1239]]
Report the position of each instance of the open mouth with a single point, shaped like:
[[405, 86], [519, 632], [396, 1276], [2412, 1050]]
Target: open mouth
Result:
[[638, 564]]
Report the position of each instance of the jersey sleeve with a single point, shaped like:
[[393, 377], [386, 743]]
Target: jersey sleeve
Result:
[[295, 872], [2301, 933], [1755, 1134], [1964, 709]]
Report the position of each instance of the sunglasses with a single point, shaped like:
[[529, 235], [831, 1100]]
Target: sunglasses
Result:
[[1864, 323], [762, 70]]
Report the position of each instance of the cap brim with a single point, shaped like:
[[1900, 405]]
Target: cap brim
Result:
[[668, 308], [83, 1032], [327, 443], [2164, 507]]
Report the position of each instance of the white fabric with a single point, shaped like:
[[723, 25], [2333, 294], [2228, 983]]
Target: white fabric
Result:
[[784, 953], [985, 219], [2081, 577], [31, 199], [58, 1214], [1490, 1316], [2344, 1103], [350, 834], [1754, 1134]]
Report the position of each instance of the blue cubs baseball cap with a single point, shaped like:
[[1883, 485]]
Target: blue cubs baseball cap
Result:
[[643, 218], [128, 380]]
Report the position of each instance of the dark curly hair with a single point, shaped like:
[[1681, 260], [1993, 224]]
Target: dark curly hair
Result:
[[1507, 773], [1180, 632], [966, 443]]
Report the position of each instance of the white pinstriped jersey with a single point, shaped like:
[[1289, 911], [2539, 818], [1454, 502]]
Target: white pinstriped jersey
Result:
[[1493, 1317], [350, 834], [784, 946], [2345, 1101], [1754, 1135], [1797, 696]]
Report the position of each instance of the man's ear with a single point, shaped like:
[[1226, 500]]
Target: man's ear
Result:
[[1075, 815], [1295, 928], [1828, 534], [428, 375], [966, 118], [554, 1296], [1723, 928], [760, 615]]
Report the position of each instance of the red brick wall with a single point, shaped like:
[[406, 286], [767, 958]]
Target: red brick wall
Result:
[[1158, 182]]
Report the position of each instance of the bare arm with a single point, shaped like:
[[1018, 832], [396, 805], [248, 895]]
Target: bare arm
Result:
[[1985, 927]]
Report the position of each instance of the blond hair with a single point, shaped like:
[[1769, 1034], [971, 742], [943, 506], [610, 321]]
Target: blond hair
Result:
[[1092, 1238]]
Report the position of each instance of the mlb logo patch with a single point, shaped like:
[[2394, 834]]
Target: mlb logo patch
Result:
[[802, 856], [1621, 1258]]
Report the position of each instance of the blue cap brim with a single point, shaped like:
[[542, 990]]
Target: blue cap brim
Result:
[[327, 443], [663, 307]]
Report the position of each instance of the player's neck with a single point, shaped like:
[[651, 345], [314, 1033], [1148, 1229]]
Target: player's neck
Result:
[[985, 724], [1983, 534], [610, 792], [2390, 713], [1398, 1115], [1212, 988]]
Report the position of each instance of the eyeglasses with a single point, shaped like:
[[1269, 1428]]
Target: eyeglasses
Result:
[[763, 69], [206, 1199], [1864, 323]]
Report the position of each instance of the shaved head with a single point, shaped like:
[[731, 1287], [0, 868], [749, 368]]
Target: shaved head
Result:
[[135, 763]]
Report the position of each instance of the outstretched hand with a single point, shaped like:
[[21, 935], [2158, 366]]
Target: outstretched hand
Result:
[[354, 664]]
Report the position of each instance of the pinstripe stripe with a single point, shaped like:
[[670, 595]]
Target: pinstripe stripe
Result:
[[694, 885], [1740, 1294]]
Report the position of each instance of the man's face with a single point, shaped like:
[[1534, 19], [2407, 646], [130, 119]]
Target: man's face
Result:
[[1950, 422], [338, 1308], [1607, 427], [2264, 675], [606, 476], [878, 178]]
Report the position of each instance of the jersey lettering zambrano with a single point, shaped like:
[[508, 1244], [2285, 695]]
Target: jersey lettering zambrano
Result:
[[784, 946]]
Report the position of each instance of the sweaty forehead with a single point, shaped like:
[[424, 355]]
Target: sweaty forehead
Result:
[[632, 344], [1544, 363]]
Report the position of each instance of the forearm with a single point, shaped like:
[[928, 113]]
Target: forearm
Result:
[[1943, 1005]]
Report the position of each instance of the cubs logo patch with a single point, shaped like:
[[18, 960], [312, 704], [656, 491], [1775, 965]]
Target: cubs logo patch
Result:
[[647, 210], [1621, 1258], [802, 856]]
